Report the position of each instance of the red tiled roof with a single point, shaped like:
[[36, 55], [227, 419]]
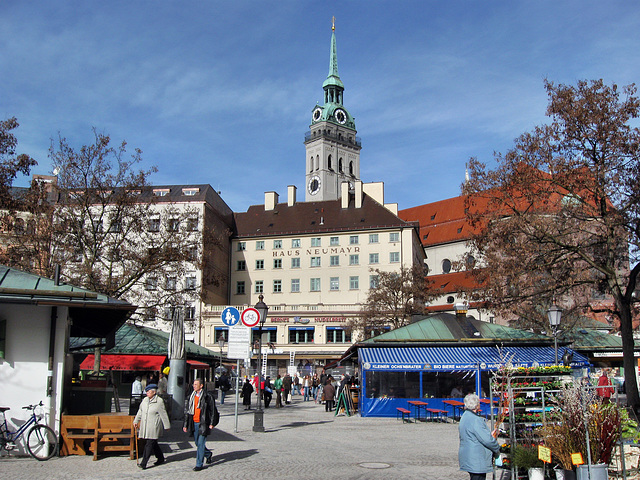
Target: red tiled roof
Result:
[[452, 282]]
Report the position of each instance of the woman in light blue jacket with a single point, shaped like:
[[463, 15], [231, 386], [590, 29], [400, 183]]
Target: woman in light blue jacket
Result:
[[477, 443]]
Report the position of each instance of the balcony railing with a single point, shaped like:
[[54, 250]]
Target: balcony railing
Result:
[[339, 137]]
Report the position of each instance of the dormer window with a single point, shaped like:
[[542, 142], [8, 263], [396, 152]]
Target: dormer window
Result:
[[190, 192], [161, 192]]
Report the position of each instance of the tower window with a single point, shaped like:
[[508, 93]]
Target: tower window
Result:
[[340, 167], [329, 166], [351, 168]]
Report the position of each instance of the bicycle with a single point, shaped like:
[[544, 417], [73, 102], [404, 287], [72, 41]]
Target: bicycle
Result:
[[42, 441]]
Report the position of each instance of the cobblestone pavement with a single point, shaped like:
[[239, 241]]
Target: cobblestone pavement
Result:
[[301, 442]]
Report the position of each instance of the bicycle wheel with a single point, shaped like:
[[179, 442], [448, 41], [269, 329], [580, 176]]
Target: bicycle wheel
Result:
[[42, 442]]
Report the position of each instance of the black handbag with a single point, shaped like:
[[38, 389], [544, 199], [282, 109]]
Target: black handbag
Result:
[[216, 416]]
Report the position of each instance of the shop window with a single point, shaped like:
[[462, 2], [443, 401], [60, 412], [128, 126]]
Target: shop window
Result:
[[301, 334]]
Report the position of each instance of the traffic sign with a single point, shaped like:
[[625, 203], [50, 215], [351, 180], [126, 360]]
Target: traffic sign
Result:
[[230, 316], [239, 342], [250, 317]]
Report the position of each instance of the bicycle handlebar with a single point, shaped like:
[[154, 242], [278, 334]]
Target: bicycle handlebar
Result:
[[33, 407]]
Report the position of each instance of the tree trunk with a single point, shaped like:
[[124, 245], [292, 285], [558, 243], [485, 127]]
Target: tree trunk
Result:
[[629, 360]]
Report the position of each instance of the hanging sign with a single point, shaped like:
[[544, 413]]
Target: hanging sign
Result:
[[239, 342]]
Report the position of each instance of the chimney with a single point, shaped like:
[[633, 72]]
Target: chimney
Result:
[[358, 189], [270, 201], [344, 194], [291, 195]]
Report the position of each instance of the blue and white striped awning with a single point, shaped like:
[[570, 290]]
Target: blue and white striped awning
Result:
[[461, 358]]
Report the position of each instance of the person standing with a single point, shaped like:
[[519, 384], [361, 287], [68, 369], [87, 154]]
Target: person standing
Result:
[[267, 392], [199, 422], [296, 385], [306, 386], [162, 384], [136, 395], [605, 386], [151, 418], [477, 443], [247, 390], [329, 392], [277, 386], [224, 386], [286, 385]]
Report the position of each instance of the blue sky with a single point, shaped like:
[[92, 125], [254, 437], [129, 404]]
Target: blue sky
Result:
[[221, 92]]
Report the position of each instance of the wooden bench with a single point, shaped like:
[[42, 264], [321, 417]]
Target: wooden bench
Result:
[[79, 434], [115, 434], [437, 412], [406, 414]]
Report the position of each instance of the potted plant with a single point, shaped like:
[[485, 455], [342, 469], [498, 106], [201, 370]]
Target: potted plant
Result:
[[526, 457]]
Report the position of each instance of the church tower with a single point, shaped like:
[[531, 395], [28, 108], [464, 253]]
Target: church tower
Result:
[[332, 148]]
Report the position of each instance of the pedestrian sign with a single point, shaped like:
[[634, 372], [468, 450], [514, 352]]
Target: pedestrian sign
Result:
[[230, 316], [250, 317]]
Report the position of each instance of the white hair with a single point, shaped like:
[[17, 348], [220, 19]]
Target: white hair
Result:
[[471, 402]]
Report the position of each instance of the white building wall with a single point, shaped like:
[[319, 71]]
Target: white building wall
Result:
[[24, 370]]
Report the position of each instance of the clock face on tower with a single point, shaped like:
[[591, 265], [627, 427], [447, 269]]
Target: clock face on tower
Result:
[[341, 116], [314, 185], [317, 113]]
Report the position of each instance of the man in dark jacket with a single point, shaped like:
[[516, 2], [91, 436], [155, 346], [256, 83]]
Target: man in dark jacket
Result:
[[199, 421], [287, 382]]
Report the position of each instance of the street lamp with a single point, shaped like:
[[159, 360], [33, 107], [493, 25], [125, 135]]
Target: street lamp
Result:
[[258, 415], [555, 314]]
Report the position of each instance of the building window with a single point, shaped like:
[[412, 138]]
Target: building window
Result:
[[338, 335], [373, 238], [190, 192], [114, 227], [277, 244], [259, 244], [374, 258], [269, 335], [240, 288], [374, 281], [150, 314], [334, 241], [295, 285], [277, 286], [259, 286], [354, 259], [315, 261], [450, 299], [446, 265], [301, 334], [354, 240], [158, 192], [242, 246], [221, 331], [334, 283], [241, 265], [394, 237], [189, 312], [394, 257], [295, 243], [315, 285], [295, 262], [259, 264], [170, 283], [192, 224], [316, 242], [277, 263], [192, 254], [334, 260], [173, 225], [151, 283], [190, 282], [354, 283]]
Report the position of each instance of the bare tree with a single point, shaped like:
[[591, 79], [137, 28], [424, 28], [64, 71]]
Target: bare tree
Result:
[[560, 213], [395, 298]]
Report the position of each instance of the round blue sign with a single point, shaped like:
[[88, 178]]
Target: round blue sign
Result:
[[230, 316]]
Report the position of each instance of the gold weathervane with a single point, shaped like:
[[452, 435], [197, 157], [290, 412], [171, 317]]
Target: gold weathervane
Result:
[[333, 24]]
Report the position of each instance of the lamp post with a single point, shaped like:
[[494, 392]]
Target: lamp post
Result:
[[258, 416], [555, 314]]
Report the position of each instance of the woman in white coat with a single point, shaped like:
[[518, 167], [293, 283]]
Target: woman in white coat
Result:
[[151, 418]]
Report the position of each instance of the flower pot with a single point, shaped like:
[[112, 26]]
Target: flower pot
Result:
[[562, 474], [536, 473], [598, 472]]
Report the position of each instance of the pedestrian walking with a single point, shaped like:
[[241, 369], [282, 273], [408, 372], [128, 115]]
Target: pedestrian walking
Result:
[[199, 421], [296, 385], [247, 390], [287, 383], [268, 392], [277, 386], [329, 392], [151, 419], [477, 443]]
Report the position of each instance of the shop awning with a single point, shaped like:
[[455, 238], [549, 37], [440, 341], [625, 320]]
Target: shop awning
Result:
[[196, 365], [461, 358], [125, 362]]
